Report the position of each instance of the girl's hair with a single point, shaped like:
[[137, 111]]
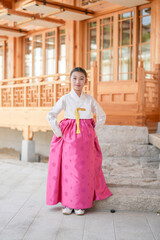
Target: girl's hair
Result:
[[79, 69]]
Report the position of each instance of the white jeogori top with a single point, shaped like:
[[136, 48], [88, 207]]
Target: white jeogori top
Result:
[[69, 102]]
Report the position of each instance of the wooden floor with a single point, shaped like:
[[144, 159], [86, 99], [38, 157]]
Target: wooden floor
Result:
[[25, 216]]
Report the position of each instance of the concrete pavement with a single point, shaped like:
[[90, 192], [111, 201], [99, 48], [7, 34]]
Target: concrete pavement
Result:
[[25, 216]]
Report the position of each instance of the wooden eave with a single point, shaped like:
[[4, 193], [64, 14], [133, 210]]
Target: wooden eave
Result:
[[3, 38], [34, 16], [59, 5], [13, 29], [5, 4]]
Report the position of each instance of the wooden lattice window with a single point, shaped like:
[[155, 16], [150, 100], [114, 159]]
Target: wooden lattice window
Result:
[[62, 52], [145, 37], [28, 57], [91, 43], [38, 55], [106, 49], [50, 51], [45, 53], [125, 24]]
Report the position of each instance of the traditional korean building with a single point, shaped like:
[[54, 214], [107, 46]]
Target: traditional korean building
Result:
[[117, 41]]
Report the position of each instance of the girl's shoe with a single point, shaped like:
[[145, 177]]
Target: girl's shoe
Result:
[[67, 211], [79, 211]]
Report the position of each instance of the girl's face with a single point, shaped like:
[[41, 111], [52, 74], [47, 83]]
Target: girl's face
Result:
[[78, 80]]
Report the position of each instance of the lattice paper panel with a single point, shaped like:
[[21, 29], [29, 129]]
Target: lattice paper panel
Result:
[[32, 96], [6, 97], [39, 7], [13, 18], [68, 15], [38, 22], [18, 97], [47, 95], [128, 3]]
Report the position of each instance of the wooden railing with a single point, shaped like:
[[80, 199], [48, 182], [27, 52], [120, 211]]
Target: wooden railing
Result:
[[41, 91], [149, 93], [28, 100]]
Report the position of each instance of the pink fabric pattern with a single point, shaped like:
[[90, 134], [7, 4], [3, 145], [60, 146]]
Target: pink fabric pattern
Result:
[[75, 176]]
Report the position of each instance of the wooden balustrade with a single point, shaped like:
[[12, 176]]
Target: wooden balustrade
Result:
[[41, 91], [149, 95], [24, 102]]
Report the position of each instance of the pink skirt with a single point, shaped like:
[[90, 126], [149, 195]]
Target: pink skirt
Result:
[[75, 176]]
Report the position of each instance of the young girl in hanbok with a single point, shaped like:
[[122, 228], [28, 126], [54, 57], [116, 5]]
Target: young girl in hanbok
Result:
[[75, 177]]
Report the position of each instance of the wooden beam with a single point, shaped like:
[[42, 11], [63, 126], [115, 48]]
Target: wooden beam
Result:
[[2, 27], [59, 5], [5, 4], [35, 16], [3, 37]]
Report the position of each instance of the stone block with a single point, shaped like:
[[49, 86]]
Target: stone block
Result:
[[155, 139], [150, 165], [121, 161], [128, 150], [28, 151], [131, 199], [123, 134], [149, 173]]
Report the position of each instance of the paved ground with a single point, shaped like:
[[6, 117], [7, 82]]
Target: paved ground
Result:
[[24, 215]]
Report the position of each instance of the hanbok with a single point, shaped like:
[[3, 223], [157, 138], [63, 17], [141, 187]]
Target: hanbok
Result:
[[75, 176]]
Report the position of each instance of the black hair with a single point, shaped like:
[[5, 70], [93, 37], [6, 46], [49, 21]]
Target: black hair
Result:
[[79, 69]]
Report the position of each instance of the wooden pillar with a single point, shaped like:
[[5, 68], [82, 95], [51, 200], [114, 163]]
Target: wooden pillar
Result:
[[12, 56], [141, 87], [19, 57], [157, 69], [79, 43], [94, 79], [155, 34], [70, 45], [27, 133], [15, 55], [70, 40]]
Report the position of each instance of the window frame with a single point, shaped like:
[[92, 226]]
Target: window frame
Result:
[[151, 33], [5, 64], [43, 33], [116, 44]]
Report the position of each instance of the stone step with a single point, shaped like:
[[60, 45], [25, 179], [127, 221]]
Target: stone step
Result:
[[142, 171], [131, 199], [125, 161], [155, 139], [123, 134], [139, 182], [130, 150]]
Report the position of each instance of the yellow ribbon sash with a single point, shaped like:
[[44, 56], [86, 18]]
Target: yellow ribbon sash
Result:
[[77, 118]]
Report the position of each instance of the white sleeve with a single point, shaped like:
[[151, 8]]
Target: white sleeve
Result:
[[52, 116], [100, 114]]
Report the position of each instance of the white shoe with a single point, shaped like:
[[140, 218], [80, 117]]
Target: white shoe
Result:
[[79, 211], [67, 211]]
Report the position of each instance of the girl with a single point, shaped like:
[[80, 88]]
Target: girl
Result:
[[75, 177]]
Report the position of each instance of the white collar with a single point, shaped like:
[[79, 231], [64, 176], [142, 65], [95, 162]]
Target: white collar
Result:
[[75, 94]]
